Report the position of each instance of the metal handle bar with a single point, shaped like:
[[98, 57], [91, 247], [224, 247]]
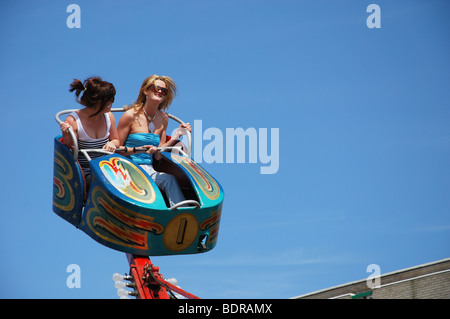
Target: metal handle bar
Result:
[[71, 132], [185, 202], [188, 134], [173, 117], [101, 150], [96, 150], [75, 141], [162, 149]]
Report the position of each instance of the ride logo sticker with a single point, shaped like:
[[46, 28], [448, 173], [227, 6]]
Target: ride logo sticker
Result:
[[128, 179]]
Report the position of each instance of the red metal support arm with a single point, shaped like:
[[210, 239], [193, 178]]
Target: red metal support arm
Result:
[[150, 284]]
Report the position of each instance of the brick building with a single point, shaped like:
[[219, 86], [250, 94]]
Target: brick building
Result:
[[427, 281]]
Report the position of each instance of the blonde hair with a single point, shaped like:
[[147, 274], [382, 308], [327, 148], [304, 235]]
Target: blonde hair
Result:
[[170, 86]]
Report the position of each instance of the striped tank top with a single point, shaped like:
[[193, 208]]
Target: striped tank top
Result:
[[86, 142]]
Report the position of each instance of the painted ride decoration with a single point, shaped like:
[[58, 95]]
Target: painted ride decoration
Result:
[[123, 208]]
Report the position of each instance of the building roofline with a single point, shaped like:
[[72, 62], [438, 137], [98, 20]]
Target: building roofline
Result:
[[365, 279]]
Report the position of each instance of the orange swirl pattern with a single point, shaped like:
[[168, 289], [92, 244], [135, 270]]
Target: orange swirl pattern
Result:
[[206, 183], [63, 195], [119, 225], [213, 223]]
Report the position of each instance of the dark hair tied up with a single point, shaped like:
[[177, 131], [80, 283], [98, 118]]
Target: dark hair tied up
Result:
[[96, 92]]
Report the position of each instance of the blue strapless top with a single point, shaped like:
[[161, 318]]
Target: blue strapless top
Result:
[[138, 140]]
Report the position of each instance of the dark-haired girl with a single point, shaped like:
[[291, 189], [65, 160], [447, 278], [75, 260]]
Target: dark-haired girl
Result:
[[94, 125]]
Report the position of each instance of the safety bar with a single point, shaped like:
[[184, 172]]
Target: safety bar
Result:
[[75, 142], [185, 202], [161, 149], [72, 133], [173, 117]]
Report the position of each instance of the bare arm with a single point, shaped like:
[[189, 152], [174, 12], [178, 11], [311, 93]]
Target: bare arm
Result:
[[69, 122], [114, 142], [123, 129], [178, 134]]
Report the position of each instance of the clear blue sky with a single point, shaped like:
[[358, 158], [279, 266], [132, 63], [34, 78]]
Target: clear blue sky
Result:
[[363, 117]]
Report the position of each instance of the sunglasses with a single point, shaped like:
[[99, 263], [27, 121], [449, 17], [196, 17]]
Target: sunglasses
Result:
[[157, 89]]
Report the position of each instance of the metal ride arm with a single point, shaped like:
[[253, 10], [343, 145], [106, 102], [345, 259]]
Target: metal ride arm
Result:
[[149, 283]]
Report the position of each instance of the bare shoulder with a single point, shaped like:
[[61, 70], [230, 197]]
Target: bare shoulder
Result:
[[165, 117], [129, 112], [128, 115], [71, 120], [111, 117]]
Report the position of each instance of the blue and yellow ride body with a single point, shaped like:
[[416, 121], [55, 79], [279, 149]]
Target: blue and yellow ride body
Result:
[[125, 210]]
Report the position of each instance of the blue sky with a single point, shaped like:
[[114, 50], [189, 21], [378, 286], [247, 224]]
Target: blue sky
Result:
[[363, 117]]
